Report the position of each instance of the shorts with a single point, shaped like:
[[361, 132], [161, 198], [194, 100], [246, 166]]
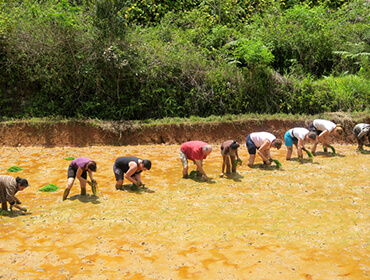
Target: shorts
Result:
[[313, 129], [118, 173], [72, 173], [252, 149], [290, 140], [183, 159]]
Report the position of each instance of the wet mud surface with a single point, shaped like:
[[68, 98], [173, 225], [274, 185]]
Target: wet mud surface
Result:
[[306, 220]]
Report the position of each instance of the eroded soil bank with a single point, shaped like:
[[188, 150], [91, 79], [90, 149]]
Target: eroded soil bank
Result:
[[304, 221], [90, 133]]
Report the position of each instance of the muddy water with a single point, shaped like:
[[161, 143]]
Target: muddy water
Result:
[[304, 221]]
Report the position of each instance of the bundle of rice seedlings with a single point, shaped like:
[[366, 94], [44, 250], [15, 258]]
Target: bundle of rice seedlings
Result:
[[278, 164], [332, 149], [49, 188], [69, 158], [237, 162], [308, 153], [14, 169]]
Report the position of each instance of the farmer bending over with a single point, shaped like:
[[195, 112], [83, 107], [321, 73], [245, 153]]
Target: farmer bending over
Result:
[[79, 168], [361, 131], [130, 168], [296, 136], [9, 186], [323, 129], [261, 141], [196, 151]]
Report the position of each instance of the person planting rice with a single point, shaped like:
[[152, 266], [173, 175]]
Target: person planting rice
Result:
[[130, 168], [297, 136], [361, 131], [229, 152], [79, 168], [9, 186], [261, 142], [196, 151], [323, 128]]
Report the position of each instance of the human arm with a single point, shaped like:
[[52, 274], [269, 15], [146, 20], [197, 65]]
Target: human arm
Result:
[[199, 164], [323, 137], [129, 174], [78, 175], [264, 151]]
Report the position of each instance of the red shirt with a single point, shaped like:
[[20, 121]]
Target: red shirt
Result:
[[193, 150]]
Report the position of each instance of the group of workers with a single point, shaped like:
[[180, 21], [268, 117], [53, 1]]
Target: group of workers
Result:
[[257, 143]]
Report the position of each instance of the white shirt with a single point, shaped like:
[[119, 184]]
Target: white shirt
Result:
[[259, 137], [323, 125], [299, 132]]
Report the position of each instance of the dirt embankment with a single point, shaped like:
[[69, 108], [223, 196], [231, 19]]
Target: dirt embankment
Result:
[[80, 134]]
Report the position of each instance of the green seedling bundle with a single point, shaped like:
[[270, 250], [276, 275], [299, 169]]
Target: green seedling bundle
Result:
[[14, 169], [49, 188]]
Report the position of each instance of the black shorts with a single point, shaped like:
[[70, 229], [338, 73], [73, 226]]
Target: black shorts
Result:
[[72, 173]]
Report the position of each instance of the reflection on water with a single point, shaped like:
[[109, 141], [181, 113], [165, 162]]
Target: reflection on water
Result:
[[305, 220]]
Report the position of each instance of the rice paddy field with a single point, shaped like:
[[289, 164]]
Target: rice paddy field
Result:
[[305, 220]]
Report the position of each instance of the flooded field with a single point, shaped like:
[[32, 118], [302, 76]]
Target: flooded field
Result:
[[304, 221]]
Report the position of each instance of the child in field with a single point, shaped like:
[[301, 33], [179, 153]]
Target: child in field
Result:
[[229, 152]]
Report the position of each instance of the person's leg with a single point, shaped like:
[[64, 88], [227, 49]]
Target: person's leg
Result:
[[360, 144], [69, 187], [184, 162], [118, 174], [288, 139], [251, 160], [233, 164], [228, 167], [251, 150], [83, 183]]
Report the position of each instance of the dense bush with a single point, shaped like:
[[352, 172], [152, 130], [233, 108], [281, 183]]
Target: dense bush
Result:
[[152, 59]]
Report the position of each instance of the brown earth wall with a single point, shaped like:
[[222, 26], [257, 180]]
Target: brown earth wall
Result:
[[80, 134]]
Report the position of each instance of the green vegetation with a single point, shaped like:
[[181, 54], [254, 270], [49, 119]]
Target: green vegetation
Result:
[[69, 158], [49, 188], [118, 60], [14, 169]]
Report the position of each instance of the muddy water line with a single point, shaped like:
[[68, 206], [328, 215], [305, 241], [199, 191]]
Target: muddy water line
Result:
[[304, 221]]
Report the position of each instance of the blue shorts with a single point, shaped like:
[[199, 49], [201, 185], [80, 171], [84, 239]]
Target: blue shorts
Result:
[[252, 149], [289, 140]]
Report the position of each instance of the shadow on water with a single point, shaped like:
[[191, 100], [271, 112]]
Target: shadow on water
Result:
[[236, 177], [271, 167], [86, 198], [131, 188], [14, 214], [365, 152], [329, 154]]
